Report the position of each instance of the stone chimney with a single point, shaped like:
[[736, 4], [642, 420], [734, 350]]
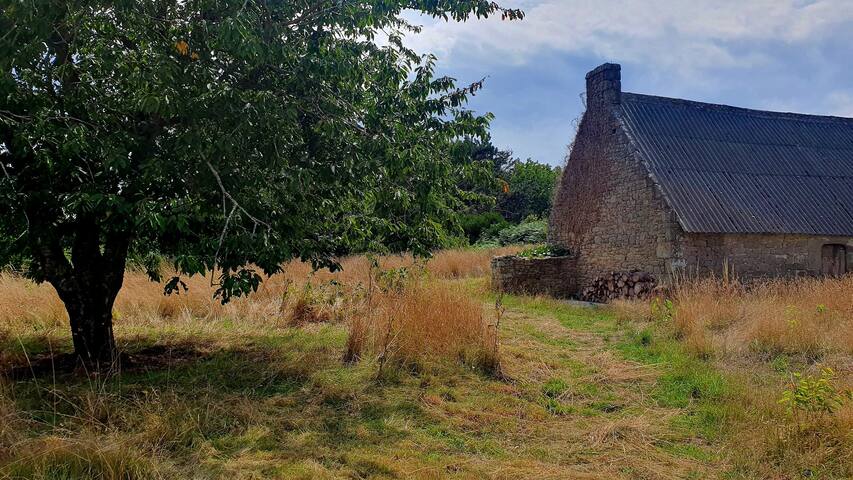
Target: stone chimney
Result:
[[604, 86]]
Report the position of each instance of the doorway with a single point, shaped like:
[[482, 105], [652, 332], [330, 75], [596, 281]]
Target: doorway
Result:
[[834, 260]]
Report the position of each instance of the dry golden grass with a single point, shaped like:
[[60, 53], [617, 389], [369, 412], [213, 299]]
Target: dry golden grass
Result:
[[24, 303], [467, 263], [806, 317], [424, 321], [761, 334], [812, 317], [296, 297], [36, 310]]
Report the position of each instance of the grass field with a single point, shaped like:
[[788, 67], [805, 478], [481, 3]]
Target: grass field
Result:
[[398, 374]]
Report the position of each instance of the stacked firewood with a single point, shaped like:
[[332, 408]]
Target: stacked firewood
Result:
[[629, 285]]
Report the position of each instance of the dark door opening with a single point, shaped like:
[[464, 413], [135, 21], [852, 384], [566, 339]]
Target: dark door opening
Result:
[[834, 260]]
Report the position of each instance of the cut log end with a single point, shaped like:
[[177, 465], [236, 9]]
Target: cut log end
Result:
[[633, 285]]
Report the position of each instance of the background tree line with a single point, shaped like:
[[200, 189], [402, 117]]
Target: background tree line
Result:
[[506, 200]]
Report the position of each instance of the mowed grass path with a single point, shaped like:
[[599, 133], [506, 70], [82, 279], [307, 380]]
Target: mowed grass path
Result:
[[584, 396], [620, 403]]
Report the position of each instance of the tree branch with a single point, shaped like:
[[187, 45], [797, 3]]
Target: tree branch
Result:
[[12, 182], [234, 202]]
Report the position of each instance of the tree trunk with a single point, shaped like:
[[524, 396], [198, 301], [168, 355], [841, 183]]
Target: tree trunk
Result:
[[87, 284], [91, 316]]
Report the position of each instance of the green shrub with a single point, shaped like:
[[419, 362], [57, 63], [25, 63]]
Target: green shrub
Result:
[[544, 251], [478, 225], [532, 232], [814, 395]]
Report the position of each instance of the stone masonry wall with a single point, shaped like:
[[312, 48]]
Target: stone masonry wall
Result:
[[752, 256], [606, 209], [547, 276]]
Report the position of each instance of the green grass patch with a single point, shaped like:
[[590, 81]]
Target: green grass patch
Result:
[[570, 316], [689, 450], [554, 387], [687, 383], [546, 339], [556, 407]]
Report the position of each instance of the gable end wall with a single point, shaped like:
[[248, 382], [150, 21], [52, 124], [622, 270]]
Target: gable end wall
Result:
[[606, 209]]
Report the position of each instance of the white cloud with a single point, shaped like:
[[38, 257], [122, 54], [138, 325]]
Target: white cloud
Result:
[[683, 36]]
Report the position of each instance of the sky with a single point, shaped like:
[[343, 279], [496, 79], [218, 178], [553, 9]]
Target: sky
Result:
[[783, 55]]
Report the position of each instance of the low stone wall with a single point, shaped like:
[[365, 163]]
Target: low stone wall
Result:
[[554, 276]]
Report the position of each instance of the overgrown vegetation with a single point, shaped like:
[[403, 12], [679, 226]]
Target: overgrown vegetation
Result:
[[785, 347], [543, 251], [388, 369], [508, 199], [530, 231]]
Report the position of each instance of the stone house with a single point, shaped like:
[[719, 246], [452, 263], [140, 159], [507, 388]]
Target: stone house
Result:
[[666, 185]]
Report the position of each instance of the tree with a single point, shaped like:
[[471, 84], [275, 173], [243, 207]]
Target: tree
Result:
[[484, 180], [530, 188], [228, 135], [480, 184], [500, 188]]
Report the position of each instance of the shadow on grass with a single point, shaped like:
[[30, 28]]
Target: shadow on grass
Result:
[[250, 366], [282, 398], [293, 380], [137, 358]]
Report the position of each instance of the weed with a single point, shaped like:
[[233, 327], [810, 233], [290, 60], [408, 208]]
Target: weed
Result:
[[663, 309], [645, 337], [780, 364], [808, 395], [554, 388], [544, 251]]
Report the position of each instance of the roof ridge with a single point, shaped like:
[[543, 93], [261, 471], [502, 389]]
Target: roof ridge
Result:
[[645, 98]]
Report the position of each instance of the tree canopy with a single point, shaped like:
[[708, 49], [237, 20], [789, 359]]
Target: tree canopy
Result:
[[529, 190], [499, 188], [228, 135]]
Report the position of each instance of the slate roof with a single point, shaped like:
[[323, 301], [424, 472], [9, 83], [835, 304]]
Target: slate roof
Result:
[[733, 170]]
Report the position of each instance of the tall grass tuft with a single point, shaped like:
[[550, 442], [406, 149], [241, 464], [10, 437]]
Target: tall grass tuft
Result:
[[56, 458], [421, 323]]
